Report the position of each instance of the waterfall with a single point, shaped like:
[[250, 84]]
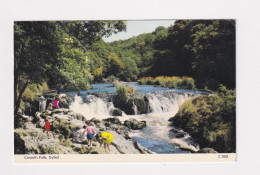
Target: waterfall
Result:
[[160, 107], [91, 106], [135, 108], [162, 102], [158, 103]]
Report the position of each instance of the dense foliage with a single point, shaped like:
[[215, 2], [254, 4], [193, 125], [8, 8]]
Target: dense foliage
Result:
[[56, 52], [74, 54], [203, 49], [210, 120]]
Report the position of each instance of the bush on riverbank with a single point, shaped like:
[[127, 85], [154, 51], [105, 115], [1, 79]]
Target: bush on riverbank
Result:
[[34, 90], [124, 91], [210, 120], [170, 82]]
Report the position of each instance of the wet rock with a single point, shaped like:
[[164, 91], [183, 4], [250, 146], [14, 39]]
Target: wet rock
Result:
[[142, 105], [80, 117], [116, 112], [95, 120], [65, 101], [93, 152], [179, 135], [126, 104], [174, 130], [126, 135], [110, 121], [171, 119], [207, 150], [134, 124], [141, 149]]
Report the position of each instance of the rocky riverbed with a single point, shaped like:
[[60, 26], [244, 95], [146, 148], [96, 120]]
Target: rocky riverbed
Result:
[[30, 137]]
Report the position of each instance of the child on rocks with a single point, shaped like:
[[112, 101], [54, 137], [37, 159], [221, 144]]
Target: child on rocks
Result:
[[107, 138], [90, 133], [47, 127]]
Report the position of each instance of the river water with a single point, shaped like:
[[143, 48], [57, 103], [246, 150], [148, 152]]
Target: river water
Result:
[[164, 103]]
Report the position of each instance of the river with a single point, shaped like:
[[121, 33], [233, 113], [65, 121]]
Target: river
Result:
[[164, 103]]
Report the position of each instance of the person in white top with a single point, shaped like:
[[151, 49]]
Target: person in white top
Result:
[[42, 104], [80, 136]]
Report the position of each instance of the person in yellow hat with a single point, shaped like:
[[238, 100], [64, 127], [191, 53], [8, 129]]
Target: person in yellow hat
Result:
[[107, 138]]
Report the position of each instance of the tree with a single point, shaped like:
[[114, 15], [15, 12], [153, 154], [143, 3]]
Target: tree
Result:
[[35, 49], [88, 32], [130, 73], [41, 52], [116, 65]]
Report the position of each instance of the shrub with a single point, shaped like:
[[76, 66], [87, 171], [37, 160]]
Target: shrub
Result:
[[131, 90], [34, 90], [121, 90], [115, 83], [125, 91], [210, 120], [111, 79]]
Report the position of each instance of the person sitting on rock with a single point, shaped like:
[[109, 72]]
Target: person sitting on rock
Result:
[[80, 136], [107, 138], [47, 127], [49, 108], [55, 103], [90, 133]]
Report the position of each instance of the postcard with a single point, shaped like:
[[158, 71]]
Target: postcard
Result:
[[118, 91]]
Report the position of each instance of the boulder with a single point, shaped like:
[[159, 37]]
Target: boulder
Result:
[[179, 135], [80, 117], [126, 104], [110, 121], [174, 130], [134, 124], [142, 105], [115, 112], [65, 101], [95, 120]]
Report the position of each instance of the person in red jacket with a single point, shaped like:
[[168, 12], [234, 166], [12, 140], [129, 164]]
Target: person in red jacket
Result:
[[47, 128]]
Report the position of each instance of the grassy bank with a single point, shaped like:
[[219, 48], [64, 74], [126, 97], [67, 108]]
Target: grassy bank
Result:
[[170, 82], [210, 120]]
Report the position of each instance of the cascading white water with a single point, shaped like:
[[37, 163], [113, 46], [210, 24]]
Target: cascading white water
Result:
[[167, 102], [162, 106], [93, 107]]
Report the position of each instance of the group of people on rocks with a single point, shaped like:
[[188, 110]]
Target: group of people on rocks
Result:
[[52, 105], [84, 135], [42, 108]]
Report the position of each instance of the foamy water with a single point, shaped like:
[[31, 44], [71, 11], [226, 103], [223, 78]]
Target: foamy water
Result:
[[155, 135]]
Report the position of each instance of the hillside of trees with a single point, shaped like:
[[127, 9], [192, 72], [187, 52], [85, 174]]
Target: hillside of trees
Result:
[[202, 49]]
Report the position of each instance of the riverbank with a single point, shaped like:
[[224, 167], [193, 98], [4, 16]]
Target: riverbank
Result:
[[169, 82], [210, 120]]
